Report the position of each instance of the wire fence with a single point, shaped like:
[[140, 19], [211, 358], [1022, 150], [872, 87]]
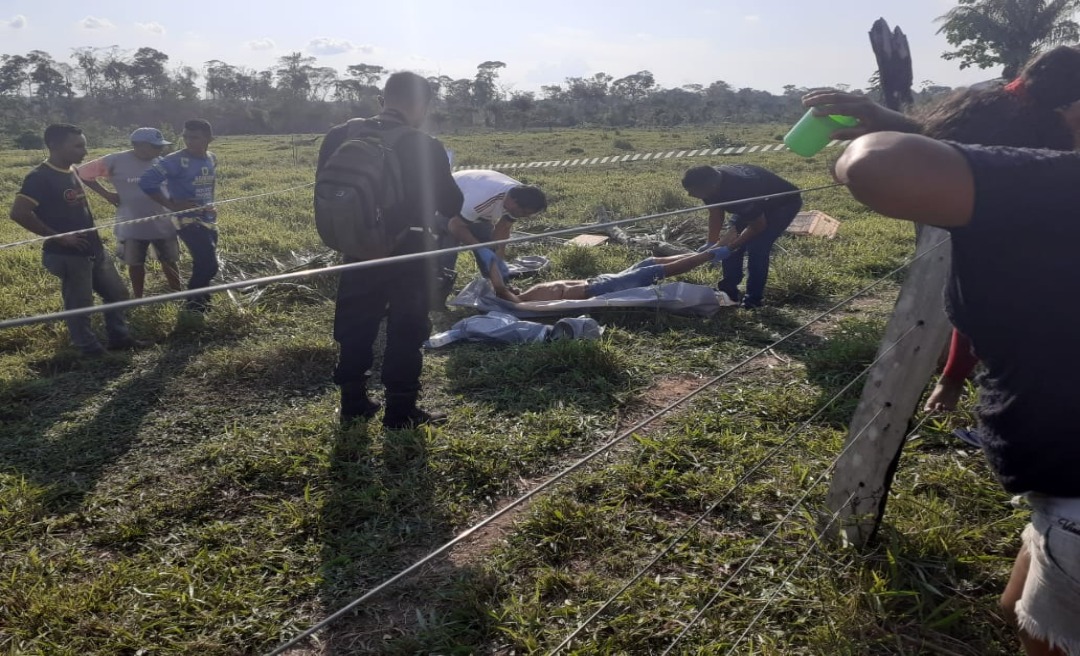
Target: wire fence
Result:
[[579, 464], [582, 462], [369, 264]]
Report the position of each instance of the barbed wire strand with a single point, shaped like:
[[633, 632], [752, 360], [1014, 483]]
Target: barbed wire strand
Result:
[[727, 495], [791, 573], [368, 264], [776, 529], [143, 219], [584, 461]]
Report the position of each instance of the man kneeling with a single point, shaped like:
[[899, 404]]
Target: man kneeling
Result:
[[644, 273]]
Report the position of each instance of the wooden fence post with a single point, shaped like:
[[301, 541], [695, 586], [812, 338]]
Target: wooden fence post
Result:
[[893, 388], [894, 64]]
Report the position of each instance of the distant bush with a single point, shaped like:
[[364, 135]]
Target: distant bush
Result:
[[721, 140], [669, 200], [29, 141], [623, 144]]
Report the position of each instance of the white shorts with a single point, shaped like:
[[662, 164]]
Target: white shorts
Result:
[[132, 252], [1049, 607]]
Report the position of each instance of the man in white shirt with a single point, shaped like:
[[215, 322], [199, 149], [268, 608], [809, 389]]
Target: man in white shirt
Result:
[[493, 202], [123, 171]]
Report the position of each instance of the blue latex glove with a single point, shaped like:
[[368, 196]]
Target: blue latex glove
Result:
[[707, 247], [720, 253], [490, 259]]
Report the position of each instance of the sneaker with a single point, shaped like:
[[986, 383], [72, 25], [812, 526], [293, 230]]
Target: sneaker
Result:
[[127, 343], [750, 303], [414, 420], [93, 352]]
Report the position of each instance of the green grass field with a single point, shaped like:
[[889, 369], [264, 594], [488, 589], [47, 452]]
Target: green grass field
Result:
[[197, 497]]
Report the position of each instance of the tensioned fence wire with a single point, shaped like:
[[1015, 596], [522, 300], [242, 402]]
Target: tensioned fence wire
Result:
[[674, 542], [554, 480], [144, 219], [368, 264], [795, 568], [544, 164], [776, 529]]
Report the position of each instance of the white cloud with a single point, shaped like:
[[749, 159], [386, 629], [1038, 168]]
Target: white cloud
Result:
[[93, 23], [752, 18], [330, 46], [261, 44], [152, 28], [17, 22]]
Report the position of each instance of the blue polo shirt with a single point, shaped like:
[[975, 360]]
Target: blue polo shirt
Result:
[[185, 178]]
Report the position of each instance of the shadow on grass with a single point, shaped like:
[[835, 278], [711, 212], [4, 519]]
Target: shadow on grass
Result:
[[64, 429], [382, 516], [590, 375]]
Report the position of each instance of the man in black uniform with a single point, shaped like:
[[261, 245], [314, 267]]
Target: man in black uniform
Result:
[[755, 225], [398, 292]]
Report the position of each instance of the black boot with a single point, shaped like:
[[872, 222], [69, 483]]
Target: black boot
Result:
[[355, 404], [402, 413]]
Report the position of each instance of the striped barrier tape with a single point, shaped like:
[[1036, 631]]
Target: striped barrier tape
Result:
[[639, 157]]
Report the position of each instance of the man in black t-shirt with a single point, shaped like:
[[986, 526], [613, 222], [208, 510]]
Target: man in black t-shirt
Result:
[[400, 292], [754, 226], [51, 202]]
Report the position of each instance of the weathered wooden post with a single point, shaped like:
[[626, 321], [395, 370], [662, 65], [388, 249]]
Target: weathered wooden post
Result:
[[894, 65], [892, 391]]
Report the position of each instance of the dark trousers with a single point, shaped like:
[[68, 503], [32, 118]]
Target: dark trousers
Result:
[[757, 252], [400, 293], [480, 229], [201, 243]]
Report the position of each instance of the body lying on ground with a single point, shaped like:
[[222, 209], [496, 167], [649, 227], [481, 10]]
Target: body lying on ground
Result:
[[644, 273]]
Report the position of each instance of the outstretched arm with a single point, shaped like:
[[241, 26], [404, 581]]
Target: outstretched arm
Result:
[[909, 177], [872, 116], [501, 290]]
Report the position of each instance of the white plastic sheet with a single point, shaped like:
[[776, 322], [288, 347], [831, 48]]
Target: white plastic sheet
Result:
[[508, 329], [674, 297]]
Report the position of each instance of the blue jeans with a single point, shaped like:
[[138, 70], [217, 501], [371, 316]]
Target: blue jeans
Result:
[[643, 274], [757, 252], [201, 243], [480, 229], [80, 277]]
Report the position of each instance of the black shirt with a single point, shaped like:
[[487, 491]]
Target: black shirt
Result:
[[427, 179], [739, 181], [1014, 290], [60, 203]]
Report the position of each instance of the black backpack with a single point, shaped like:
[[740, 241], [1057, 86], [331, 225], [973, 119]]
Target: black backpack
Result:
[[358, 192]]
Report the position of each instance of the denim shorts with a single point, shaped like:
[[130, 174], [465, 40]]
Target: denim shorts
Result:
[[1049, 607], [642, 274]]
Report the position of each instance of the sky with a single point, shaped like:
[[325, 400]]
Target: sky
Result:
[[764, 44]]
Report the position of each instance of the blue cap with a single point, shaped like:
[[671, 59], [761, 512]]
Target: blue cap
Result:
[[151, 136]]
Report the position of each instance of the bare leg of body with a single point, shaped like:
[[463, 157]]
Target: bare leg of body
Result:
[[679, 264]]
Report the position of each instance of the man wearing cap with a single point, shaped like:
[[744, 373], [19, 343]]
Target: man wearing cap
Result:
[[134, 238]]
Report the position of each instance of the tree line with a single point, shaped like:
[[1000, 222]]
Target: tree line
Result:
[[112, 90]]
